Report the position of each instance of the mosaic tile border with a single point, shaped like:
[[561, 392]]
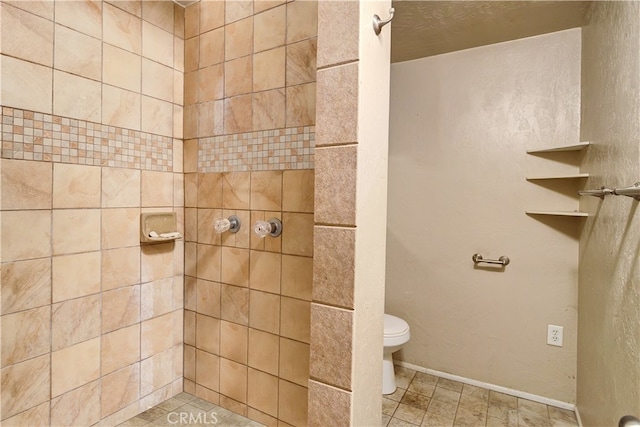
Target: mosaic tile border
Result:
[[279, 149], [29, 135]]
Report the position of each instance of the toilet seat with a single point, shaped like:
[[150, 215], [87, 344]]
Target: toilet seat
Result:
[[394, 326]]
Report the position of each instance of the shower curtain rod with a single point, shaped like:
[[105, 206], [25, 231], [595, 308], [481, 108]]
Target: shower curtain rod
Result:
[[631, 191]]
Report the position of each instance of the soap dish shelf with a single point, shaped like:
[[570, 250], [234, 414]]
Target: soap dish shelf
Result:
[[160, 223]]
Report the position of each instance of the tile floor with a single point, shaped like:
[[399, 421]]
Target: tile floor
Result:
[[425, 400], [185, 410]]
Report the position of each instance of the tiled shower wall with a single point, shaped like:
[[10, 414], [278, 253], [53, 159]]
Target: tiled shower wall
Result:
[[91, 97], [249, 139]]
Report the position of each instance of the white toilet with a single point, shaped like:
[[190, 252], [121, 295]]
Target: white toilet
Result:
[[396, 334]]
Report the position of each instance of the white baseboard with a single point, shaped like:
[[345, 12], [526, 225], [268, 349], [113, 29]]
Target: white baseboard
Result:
[[578, 417], [505, 390]]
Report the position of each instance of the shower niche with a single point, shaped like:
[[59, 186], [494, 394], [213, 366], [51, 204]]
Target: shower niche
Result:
[[561, 178]]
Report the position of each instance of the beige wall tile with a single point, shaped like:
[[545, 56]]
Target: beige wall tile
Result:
[[120, 348], [76, 230], [74, 276], [122, 29], [191, 54], [189, 362], [178, 292], [26, 85], [156, 262], [237, 114], [233, 341], [157, 44], [80, 407], [262, 5], [190, 259], [76, 97], [178, 54], [297, 234], [190, 179], [266, 190], [25, 385], [120, 107], [157, 116], [235, 266], [133, 7], [208, 298], [208, 395], [84, 16], [269, 69], [211, 15], [75, 366], [298, 190], [41, 8], [337, 107], [294, 361], [237, 9], [301, 62], [25, 284], [26, 36], [208, 370], [265, 311], [238, 76], [159, 13], [292, 402], [210, 190], [233, 405], [211, 82], [76, 186], [208, 334], [120, 267], [157, 80], [26, 185], [192, 20], [302, 20], [191, 224], [120, 188], [212, 47], [189, 328], [191, 87], [190, 121], [25, 235], [209, 260], [178, 90], [156, 335], [156, 298], [265, 270], [264, 351], [120, 228], [233, 380], [268, 109], [262, 392], [334, 266], [156, 188], [297, 276], [241, 238], [25, 335], [77, 53], [205, 231], [211, 118], [340, 43], [269, 29], [119, 389], [236, 190], [190, 293], [335, 189], [330, 354], [121, 68], [328, 405], [295, 317], [36, 416], [156, 372], [301, 105], [234, 304], [120, 308], [75, 321], [238, 39]]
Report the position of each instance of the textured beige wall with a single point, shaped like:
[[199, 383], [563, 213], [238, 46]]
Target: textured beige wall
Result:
[[460, 127], [609, 327]]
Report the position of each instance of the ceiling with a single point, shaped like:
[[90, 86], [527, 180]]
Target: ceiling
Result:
[[425, 28]]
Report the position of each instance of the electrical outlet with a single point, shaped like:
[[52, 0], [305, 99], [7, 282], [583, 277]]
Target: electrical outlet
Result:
[[554, 335]]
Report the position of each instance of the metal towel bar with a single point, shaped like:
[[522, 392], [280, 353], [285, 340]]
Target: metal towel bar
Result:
[[503, 260]]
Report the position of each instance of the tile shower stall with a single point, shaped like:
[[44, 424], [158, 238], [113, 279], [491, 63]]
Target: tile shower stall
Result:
[[114, 109]]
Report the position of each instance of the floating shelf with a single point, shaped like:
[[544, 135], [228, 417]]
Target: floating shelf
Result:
[[574, 147], [558, 213], [568, 176]]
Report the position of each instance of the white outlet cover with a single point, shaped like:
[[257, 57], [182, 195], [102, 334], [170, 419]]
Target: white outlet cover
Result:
[[554, 335]]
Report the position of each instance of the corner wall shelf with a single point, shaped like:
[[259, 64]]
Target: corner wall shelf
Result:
[[558, 213], [568, 176], [575, 147]]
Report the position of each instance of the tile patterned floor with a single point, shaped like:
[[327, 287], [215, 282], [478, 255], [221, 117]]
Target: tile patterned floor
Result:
[[425, 400], [185, 410]]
